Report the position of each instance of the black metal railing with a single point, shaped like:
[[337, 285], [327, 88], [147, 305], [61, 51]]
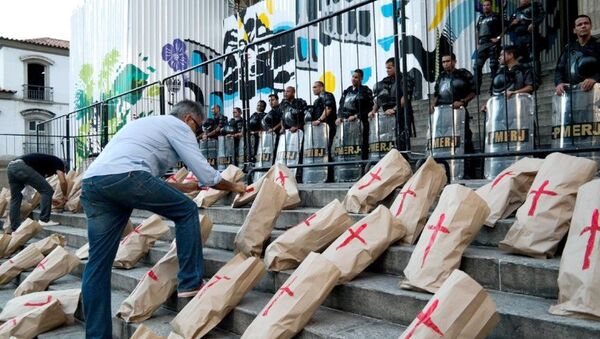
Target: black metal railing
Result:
[[41, 93], [254, 67]]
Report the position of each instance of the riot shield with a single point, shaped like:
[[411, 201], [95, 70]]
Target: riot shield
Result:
[[239, 152], [347, 146], [576, 120], [447, 137], [289, 148], [382, 135], [209, 148], [509, 127], [266, 149], [225, 152], [315, 152]]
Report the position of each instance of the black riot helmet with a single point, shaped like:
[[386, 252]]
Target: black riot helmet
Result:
[[291, 117], [587, 66], [208, 125], [270, 120], [254, 124], [308, 114], [227, 129]]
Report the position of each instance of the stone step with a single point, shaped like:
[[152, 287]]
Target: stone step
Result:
[[325, 324], [224, 215], [489, 266], [377, 296]]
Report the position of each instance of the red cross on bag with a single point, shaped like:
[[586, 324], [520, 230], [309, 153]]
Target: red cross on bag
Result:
[[593, 228], [536, 196], [408, 191], [309, 219], [424, 318], [283, 290], [353, 235], [374, 176], [436, 229], [502, 176]]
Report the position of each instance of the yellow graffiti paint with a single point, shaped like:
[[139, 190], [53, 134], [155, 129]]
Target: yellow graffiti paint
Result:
[[329, 80], [270, 6], [264, 18], [440, 9]]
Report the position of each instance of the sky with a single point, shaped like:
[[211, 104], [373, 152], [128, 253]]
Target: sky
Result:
[[26, 19]]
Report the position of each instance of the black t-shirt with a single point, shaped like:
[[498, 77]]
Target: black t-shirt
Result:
[[46, 165]]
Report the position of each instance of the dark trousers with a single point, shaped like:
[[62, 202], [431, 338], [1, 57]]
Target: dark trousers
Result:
[[108, 201], [486, 51], [20, 175]]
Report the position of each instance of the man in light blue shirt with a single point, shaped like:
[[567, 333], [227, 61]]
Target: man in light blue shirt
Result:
[[124, 177]]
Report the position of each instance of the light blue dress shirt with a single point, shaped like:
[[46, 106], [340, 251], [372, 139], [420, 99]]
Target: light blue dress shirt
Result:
[[153, 144]]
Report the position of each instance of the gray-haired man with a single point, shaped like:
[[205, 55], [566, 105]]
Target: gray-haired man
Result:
[[124, 177]]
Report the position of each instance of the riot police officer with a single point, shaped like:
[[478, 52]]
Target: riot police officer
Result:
[[271, 122], [323, 109], [512, 78], [216, 122], [385, 94], [292, 109], [356, 103], [579, 62], [455, 86], [255, 126], [489, 31], [524, 22]]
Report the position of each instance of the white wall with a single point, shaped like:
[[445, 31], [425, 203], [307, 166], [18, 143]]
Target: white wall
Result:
[[13, 77]]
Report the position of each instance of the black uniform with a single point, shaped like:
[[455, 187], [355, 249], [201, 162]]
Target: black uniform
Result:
[[578, 63], [358, 102], [272, 118], [488, 27], [255, 125], [293, 113], [385, 96], [527, 43], [456, 86], [211, 124], [511, 79], [324, 100]]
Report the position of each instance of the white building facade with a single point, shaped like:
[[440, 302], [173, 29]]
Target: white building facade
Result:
[[34, 87]]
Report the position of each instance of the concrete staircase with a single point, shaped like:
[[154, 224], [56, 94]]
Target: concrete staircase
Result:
[[370, 306]]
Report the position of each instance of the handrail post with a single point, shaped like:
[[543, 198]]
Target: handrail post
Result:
[[68, 136]]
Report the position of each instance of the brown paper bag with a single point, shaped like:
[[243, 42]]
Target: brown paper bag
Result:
[[143, 332], [508, 190], [84, 251], [452, 226], [178, 176], [260, 220], [460, 309], [73, 204], [157, 285], [290, 309], [4, 241], [206, 226], [412, 204], [579, 275], [192, 178], [58, 201], [69, 300], [208, 197], [137, 243], [26, 259], [364, 242], [27, 230], [312, 234], [3, 206], [49, 243], [218, 297], [390, 172], [543, 220], [37, 321], [57, 264], [283, 177]]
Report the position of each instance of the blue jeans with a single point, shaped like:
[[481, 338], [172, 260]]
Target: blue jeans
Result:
[[108, 202]]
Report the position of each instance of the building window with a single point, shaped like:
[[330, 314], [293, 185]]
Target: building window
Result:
[[37, 78], [37, 137]]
